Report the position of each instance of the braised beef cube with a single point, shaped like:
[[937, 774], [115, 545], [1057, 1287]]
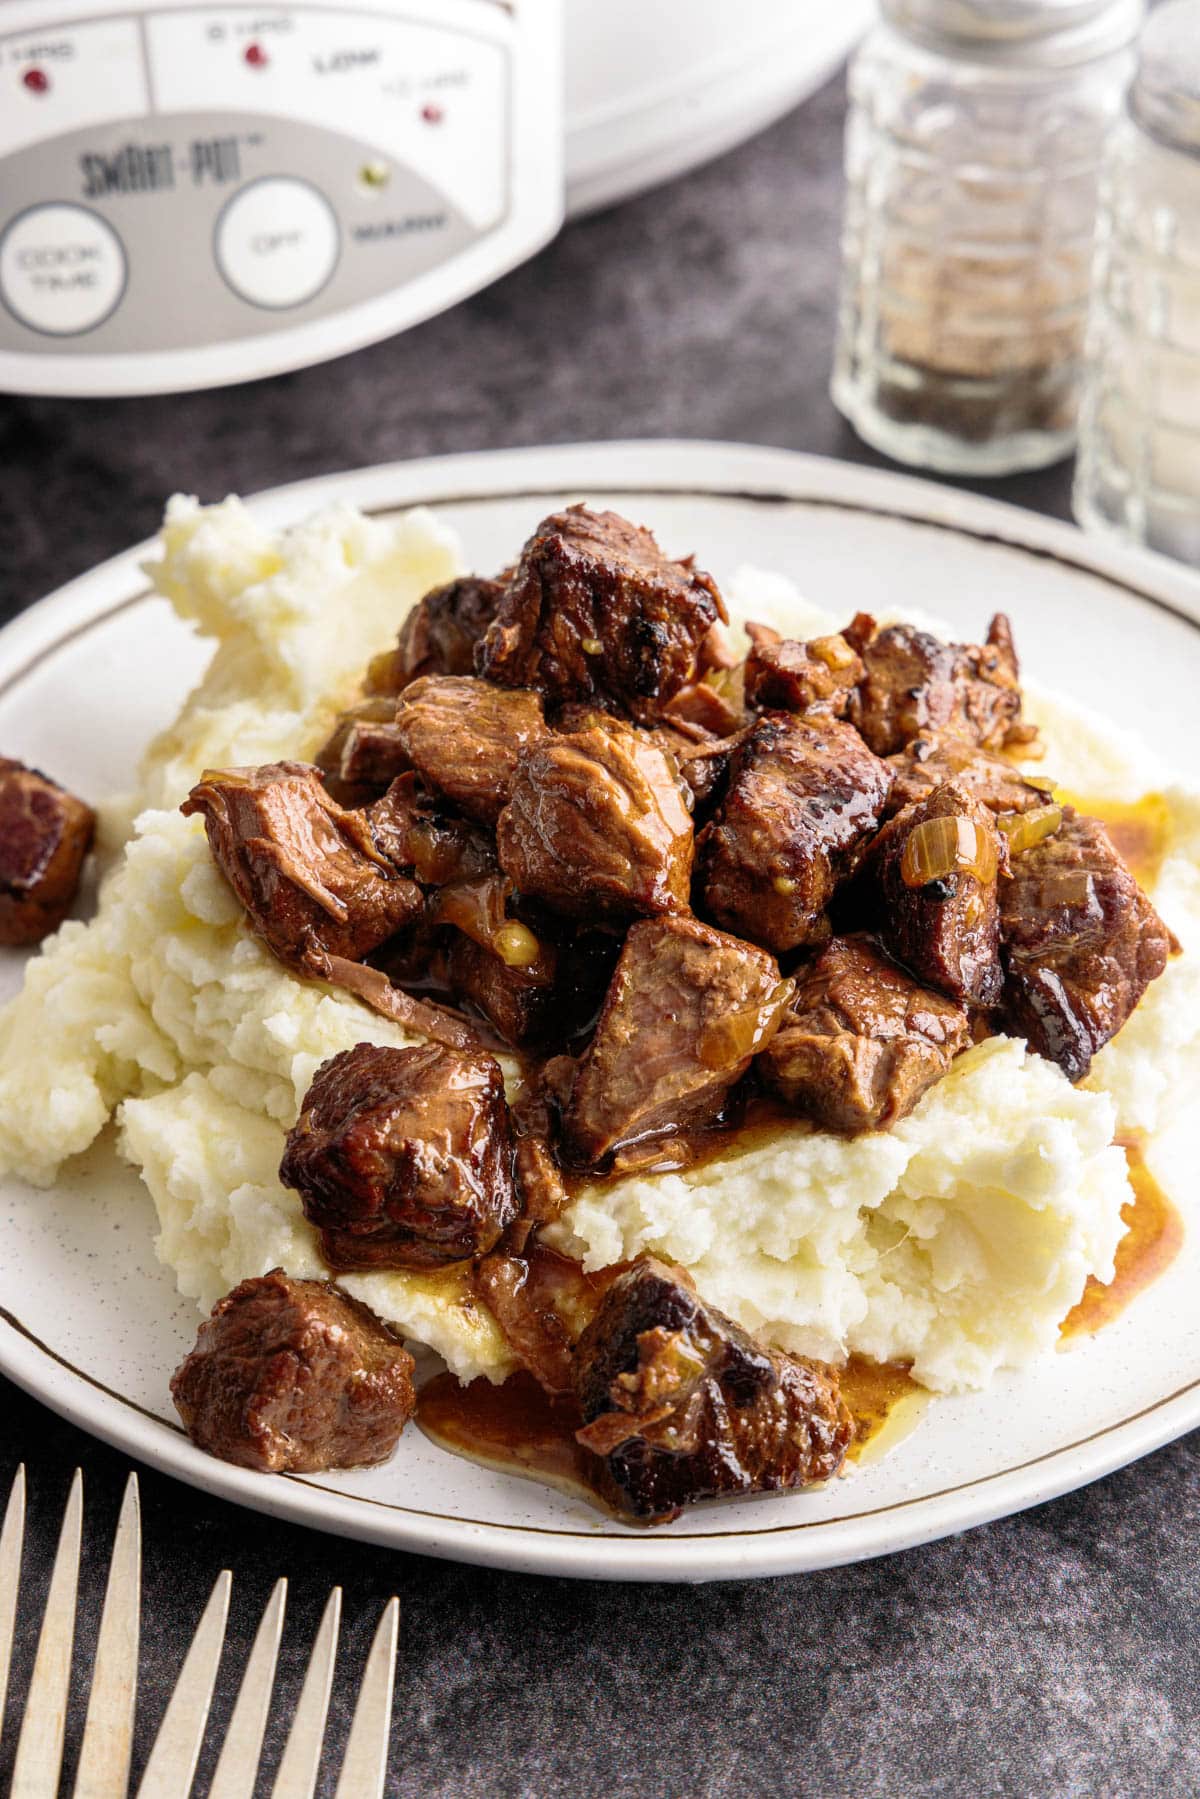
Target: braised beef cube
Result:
[[1081, 944], [439, 635], [936, 757], [292, 1376], [914, 682], [784, 675], [418, 834], [703, 766], [687, 1010], [684, 1405], [597, 825], [805, 797], [701, 711], [464, 738], [861, 1041], [521, 1002], [403, 1157], [934, 869], [45, 834], [308, 872], [357, 758], [596, 609]]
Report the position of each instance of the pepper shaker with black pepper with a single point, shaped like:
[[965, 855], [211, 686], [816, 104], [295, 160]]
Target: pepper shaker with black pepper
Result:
[[973, 151]]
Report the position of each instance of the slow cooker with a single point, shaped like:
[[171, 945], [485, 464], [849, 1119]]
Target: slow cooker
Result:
[[193, 195]]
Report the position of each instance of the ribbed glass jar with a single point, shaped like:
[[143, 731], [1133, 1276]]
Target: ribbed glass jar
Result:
[[1138, 472], [973, 149]]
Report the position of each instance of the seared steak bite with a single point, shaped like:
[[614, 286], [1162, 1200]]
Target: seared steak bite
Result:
[[861, 1041], [45, 833], [309, 874], [934, 867], [914, 682], [682, 1404], [1081, 944], [938, 756], [687, 1010], [403, 1157], [439, 635], [293, 1376], [464, 738], [597, 825], [783, 675], [596, 609], [805, 797]]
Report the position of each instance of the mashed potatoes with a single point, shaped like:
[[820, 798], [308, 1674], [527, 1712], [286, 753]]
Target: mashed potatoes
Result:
[[958, 1240]]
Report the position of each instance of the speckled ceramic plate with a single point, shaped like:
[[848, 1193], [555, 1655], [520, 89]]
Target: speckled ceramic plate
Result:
[[90, 1323]]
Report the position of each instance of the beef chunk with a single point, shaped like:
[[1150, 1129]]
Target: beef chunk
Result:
[[403, 1157], [293, 1376], [785, 676], [935, 867], [684, 1405], [935, 757], [700, 711], [687, 1010], [45, 833], [519, 999], [914, 682], [597, 825], [464, 737], [439, 635], [596, 609], [861, 1041], [309, 873], [703, 766], [418, 834], [1081, 944], [361, 756], [804, 799]]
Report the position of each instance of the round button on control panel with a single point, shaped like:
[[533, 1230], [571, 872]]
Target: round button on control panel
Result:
[[62, 269], [277, 242]]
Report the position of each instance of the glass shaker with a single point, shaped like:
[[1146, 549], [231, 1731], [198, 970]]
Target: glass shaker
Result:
[[973, 151], [1139, 444]]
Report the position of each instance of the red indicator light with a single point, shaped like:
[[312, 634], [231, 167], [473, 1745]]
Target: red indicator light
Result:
[[37, 81], [432, 113], [256, 56]]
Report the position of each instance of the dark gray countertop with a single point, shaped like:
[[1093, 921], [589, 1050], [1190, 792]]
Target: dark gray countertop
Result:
[[1053, 1653]]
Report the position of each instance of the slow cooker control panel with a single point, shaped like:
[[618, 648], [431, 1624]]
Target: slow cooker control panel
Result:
[[208, 193]]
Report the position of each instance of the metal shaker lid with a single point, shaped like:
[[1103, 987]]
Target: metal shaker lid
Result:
[[1046, 33], [1165, 97]]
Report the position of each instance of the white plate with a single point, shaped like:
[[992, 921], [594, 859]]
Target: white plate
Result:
[[91, 1325]]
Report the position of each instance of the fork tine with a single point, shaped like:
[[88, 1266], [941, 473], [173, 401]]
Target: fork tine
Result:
[[107, 1746], [365, 1767], [176, 1750], [40, 1745], [238, 1763], [12, 1538], [301, 1763]]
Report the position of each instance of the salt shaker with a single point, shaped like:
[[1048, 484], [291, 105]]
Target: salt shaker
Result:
[[973, 151], [1138, 472]]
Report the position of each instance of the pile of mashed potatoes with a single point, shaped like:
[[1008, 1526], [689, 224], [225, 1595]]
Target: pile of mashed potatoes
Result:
[[956, 1241]]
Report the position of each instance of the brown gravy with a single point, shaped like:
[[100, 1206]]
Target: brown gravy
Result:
[[1149, 1246], [1140, 829], [515, 1427]]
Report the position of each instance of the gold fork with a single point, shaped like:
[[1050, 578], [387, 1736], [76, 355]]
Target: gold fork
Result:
[[106, 1747]]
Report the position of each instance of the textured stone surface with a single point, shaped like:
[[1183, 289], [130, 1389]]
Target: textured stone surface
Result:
[[1054, 1653]]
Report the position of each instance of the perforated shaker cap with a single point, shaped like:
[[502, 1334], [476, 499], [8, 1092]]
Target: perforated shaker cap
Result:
[[1045, 33], [1165, 96]]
